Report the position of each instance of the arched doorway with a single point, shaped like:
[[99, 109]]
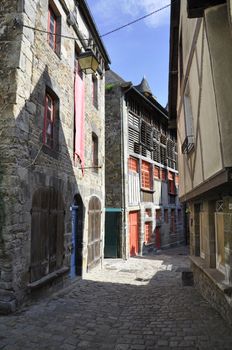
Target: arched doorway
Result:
[[77, 236], [94, 233], [47, 232]]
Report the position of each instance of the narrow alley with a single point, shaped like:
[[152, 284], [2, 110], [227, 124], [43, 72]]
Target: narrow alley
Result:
[[128, 305]]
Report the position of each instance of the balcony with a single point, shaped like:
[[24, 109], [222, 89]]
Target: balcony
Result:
[[188, 144]]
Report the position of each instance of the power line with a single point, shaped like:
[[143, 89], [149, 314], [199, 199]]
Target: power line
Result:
[[16, 23], [135, 21]]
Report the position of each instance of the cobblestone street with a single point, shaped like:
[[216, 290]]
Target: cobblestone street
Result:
[[134, 305]]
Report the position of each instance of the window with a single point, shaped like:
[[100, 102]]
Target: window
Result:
[[148, 213], [49, 121], [54, 29], [158, 214], [166, 216], [77, 68], [163, 174], [146, 135], [133, 164], [146, 175], [188, 143], [95, 91], [94, 151], [156, 172], [171, 183]]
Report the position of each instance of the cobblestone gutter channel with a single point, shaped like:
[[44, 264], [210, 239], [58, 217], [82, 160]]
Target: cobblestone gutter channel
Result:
[[139, 304]]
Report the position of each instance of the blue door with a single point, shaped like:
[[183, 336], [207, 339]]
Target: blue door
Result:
[[74, 240]]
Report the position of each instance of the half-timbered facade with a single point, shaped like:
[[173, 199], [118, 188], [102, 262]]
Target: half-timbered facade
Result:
[[200, 104], [51, 179], [141, 172]]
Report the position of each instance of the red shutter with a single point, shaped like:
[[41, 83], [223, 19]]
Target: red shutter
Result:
[[156, 172], [146, 175], [147, 233], [133, 164]]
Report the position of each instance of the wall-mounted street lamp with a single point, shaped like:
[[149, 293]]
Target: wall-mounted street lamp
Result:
[[88, 61]]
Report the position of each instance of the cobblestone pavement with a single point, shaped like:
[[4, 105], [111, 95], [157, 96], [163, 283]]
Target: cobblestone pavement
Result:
[[128, 305]]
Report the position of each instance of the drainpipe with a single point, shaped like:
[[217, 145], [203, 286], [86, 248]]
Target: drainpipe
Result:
[[123, 205]]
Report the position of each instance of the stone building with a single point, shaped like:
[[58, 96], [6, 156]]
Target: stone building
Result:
[[142, 208], [200, 106], [52, 146]]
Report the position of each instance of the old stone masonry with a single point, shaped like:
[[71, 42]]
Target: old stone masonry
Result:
[[128, 305]]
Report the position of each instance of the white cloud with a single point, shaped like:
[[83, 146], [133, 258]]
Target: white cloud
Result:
[[114, 13]]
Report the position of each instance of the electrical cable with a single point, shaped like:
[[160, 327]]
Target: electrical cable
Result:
[[135, 21], [103, 35]]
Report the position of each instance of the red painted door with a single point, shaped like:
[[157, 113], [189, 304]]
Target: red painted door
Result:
[[134, 232], [157, 237]]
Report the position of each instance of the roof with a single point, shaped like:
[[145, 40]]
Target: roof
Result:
[[85, 10], [113, 78], [144, 87], [173, 59]]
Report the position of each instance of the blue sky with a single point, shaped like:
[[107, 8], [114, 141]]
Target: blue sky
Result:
[[141, 49]]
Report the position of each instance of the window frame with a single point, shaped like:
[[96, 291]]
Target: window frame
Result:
[[133, 165], [95, 146], [95, 91], [146, 176], [52, 119], [54, 39], [157, 172]]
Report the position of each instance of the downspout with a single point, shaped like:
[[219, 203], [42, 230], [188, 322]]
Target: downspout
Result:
[[123, 205]]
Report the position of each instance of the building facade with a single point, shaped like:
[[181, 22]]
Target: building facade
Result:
[[142, 208], [200, 107], [51, 148]]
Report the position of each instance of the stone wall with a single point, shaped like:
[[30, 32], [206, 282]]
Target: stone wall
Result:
[[28, 67], [114, 166], [217, 296]]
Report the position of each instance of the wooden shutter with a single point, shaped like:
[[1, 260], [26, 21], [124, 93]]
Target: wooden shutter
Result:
[[94, 232], [47, 233]]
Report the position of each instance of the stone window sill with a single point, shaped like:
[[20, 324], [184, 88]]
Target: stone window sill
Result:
[[47, 279], [216, 276]]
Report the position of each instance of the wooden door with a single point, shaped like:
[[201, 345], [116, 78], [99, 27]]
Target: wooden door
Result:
[[134, 232], [112, 232], [47, 232], [94, 233]]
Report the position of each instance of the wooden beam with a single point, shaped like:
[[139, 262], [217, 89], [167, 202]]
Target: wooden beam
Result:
[[196, 8]]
